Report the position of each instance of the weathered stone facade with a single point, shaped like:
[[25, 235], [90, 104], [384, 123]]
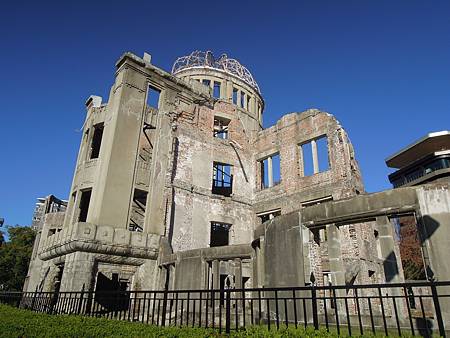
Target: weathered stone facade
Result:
[[186, 193]]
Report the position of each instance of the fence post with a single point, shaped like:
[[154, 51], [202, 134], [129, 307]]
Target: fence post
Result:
[[80, 301], [34, 298], [314, 307], [164, 309], [228, 311], [437, 309]]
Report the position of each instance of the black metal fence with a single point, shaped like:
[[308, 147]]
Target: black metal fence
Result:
[[390, 309]]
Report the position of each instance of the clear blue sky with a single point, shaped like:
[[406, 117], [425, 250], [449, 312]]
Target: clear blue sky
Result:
[[381, 67]]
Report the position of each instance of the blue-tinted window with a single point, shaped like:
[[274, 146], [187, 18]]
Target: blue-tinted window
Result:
[[153, 97], [235, 93], [308, 167], [216, 92]]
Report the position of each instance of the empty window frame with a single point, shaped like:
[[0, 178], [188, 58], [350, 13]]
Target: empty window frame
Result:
[[137, 214], [314, 156], [222, 179], [96, 141], [235, 96], [207, 83], [248, 102], [221, 127], [317, 201], [153, 97], [85, 200], [220, 234], [270, 171], [216, 90], [267, 215], [242, 100]]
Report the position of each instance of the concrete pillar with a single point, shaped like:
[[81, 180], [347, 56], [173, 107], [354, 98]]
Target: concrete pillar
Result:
[[229, 91], [238, 273], [314, 156], [391, 262], [434, 227], [270, 171], [336, 264], [216, 274], [156, 199], [79, 270], [335, 255]]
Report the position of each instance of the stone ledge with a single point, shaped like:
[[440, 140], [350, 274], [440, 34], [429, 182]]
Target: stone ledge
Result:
[[103, 239]]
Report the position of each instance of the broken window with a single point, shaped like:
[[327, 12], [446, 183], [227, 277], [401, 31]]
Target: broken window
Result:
[[84, 205], [315, 156], [216, 90], [235, 96], [153, 96], [207, 83], [221, 127], [267, 215], [96, 141], [242, 103], [408, 238], [219, 234], [137, 215], [222, 179], [270, 171]]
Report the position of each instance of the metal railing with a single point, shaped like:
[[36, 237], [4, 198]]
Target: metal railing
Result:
[[415, 308]]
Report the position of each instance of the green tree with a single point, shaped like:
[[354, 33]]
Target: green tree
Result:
[[15, 257]]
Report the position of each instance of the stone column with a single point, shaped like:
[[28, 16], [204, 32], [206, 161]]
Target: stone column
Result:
[[216, 274], [238, 273], [314, 156], [434, 227], [270, 171], [391, 262], [336, 264], [79, 270]]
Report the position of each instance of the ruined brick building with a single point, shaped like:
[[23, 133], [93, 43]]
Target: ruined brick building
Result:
[[178, 185]]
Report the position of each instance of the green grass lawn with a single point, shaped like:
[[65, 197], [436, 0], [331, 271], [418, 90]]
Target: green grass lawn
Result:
[[24, 323]]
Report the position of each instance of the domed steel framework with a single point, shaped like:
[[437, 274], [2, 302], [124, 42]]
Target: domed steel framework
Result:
[[206, 59]]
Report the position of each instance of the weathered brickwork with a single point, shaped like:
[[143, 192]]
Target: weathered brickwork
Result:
[[150, 197]]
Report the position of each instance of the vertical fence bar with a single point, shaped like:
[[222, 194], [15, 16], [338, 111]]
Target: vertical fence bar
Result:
[[227, 312], [382, 310], [314, 307], [408, 305], [80, 301]]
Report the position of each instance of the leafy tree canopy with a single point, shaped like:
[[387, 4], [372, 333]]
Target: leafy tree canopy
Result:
[[15, 257]]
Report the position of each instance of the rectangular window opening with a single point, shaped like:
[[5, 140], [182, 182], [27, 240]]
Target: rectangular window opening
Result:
[[96, 141], [315, 156], [248, 102], [138, 207], [153, 96], [207, 83], [84, 205], [408, 239], [308, 168], [270, 171], [220, 234], [242, 103], [268, 215], [221, 127], [216, 90], [322, 153], [235, 94], [222, 179]]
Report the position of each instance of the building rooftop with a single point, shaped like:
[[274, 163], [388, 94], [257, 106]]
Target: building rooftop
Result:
[[200, 59], [429, 144]]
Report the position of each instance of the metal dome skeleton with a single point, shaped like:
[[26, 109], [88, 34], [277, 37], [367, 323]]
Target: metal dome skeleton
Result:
[[224, 63]]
